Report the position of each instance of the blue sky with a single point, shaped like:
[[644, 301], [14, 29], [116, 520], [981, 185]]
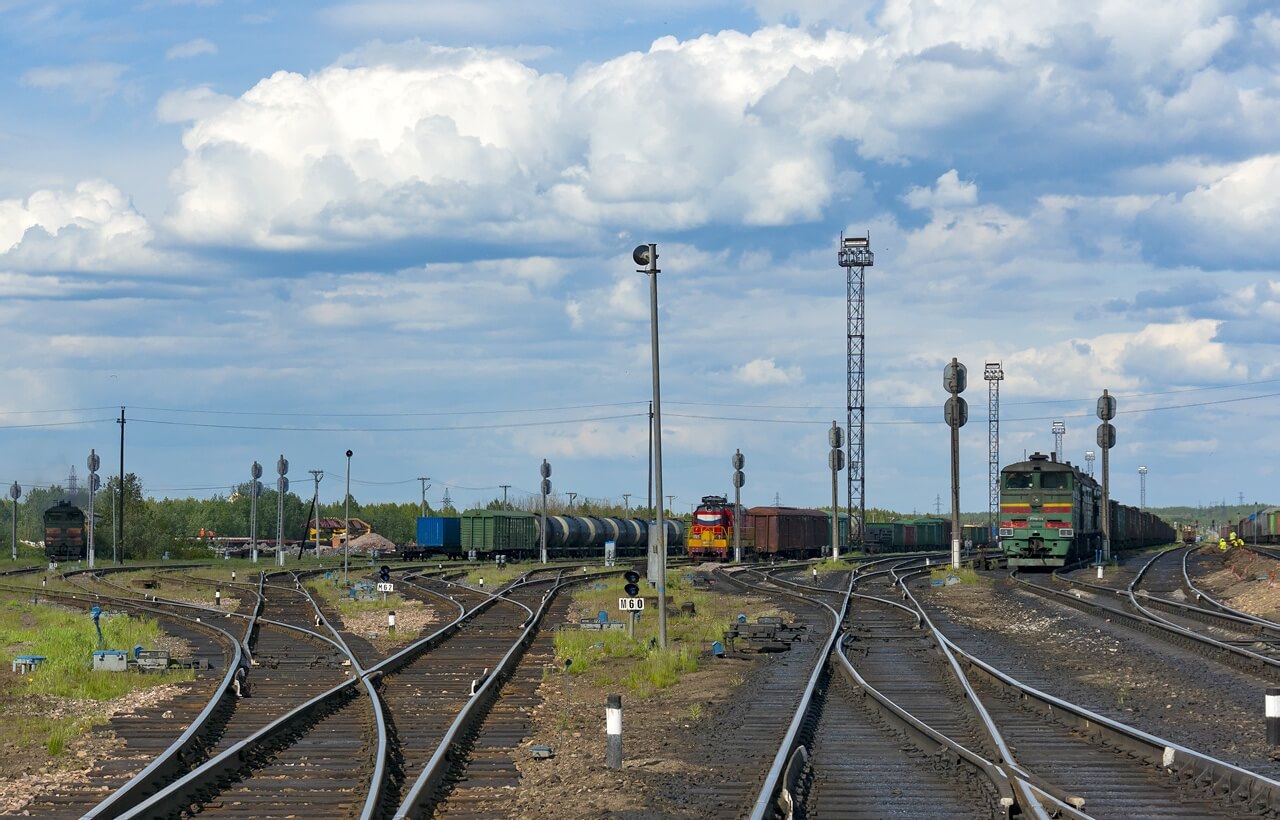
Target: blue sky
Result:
[[405, 228]]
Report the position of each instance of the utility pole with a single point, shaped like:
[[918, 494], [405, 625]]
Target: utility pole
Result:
[[425, 487], [626, 501], [671, 502], [646, 256], [504, 487], [571, 497], [119, 545], [316, 475], [937, 504]]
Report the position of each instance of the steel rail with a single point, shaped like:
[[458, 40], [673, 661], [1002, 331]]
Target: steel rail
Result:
[[792, 755], [420, 795], [1225, 779], [173, 760], [1203, 597], [1025, 799], [1222, 778], [1225, 620], [1146, 621], [213, 769]]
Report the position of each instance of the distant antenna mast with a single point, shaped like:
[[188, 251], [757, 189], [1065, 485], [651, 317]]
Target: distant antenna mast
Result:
[[72, 482]]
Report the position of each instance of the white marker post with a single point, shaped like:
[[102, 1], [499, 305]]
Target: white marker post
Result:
[[1273, 715], [613, 726], [217, 597], [391, 621]]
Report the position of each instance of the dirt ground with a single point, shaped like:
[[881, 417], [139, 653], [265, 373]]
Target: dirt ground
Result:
[[1240, 579], [28, 771], [1107, 668], [658, 733]]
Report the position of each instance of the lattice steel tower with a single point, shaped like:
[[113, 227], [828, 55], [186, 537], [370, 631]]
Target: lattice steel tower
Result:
[[1142, 479], [993, 372], [855, 257]]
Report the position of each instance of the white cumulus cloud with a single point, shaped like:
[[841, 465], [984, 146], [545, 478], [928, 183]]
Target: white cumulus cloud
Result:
[[766, 371], [93, 227]]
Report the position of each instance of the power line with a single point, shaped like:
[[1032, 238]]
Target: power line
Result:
[[386, 415], [445, 429]]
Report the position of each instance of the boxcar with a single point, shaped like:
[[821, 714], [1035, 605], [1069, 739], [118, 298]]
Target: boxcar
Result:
[[788, 531], [507, 532]]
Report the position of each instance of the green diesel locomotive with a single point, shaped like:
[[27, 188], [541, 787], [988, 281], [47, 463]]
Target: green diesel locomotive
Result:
[[1051, 516]]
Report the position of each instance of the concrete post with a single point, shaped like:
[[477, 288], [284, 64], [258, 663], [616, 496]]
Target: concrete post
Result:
[[613, 726]]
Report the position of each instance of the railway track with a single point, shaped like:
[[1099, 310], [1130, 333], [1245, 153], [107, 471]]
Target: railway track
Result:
[[1104, 768], [1200, 629]]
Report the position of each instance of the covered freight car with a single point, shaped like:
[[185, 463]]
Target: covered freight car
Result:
[[790, 532]]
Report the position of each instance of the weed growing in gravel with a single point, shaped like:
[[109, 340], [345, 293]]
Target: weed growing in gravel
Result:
[[644, 668], [967, 574], [695, 711]]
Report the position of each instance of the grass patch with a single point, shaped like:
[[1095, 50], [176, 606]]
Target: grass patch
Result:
[[332, 592], [637, 663], [67, 639], [967, 574]]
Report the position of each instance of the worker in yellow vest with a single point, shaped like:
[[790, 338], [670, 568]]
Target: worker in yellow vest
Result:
[[1222, 544]]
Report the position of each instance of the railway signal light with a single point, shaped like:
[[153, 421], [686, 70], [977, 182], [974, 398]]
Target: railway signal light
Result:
[[633, 583], [384, 574]]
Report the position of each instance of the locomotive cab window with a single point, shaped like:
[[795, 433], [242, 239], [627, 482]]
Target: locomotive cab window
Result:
[[1019, 481], [1055, 481]]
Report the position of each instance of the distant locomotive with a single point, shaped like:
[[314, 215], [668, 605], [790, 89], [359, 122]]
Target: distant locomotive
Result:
[[711, 533], [64, 533], [1051, 514]]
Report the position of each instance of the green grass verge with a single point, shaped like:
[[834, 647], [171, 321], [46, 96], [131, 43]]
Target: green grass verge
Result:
[[332, 592], [614, 658], [967, 574], [67, 639]]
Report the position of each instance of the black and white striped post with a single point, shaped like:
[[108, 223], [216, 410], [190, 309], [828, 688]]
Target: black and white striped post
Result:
[[217, 597], [613, 726], [1273, 715], [391, 621]]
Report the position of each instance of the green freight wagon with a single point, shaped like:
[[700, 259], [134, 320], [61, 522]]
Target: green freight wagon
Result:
[[506, 532], [879, 536]]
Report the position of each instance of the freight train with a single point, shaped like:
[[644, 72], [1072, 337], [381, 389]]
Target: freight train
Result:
[[802, 533], [517, 534], [64, 532], [1262, 527], [1051, 512]]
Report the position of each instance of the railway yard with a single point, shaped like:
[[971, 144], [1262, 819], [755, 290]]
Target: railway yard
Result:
[[884, 686]]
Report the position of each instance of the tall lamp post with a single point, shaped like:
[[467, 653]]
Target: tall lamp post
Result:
[[15, 492], [346, 524], [1089, 456], [1142, 481], [955, 378], [646, 256]]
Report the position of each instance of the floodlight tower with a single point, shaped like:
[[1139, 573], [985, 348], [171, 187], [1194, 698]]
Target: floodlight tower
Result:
[[855, 257], [1089, 456], [1142, 483], [993, 372], [1059, 430]]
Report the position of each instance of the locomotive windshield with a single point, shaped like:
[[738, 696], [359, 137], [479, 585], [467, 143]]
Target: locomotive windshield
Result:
[[1019, 481], [1055, 481]]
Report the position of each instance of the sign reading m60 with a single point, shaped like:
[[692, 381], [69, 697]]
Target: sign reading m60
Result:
[[630, 604]]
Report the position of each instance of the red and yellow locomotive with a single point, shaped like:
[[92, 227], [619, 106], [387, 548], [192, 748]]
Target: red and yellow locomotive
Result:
[[711, 534]]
